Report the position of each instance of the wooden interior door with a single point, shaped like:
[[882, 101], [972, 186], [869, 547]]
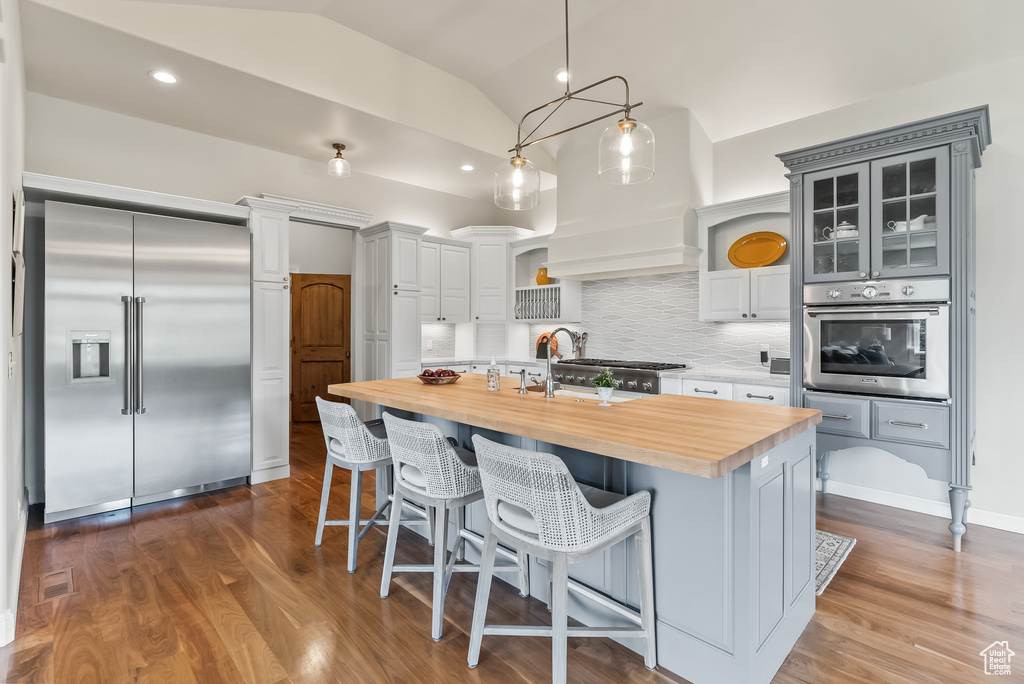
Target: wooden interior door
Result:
[[321, 334]]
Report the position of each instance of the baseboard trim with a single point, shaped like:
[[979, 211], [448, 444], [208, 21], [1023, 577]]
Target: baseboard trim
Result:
[[8, 619], [268, 474], [975, 516]]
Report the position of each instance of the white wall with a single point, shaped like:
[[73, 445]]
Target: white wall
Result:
[[13, 505], [76, 141], [747, 166], [320, 249]]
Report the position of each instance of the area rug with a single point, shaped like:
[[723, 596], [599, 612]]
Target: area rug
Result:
[[830, 551]]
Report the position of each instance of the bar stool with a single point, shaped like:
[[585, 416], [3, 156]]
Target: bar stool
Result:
[[534, 504], [433, 473], [358, 447]]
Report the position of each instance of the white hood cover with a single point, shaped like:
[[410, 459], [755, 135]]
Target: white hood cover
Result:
[[614, 231]]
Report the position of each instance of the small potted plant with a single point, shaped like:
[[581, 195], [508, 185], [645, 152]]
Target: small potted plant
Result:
[[605, 385]]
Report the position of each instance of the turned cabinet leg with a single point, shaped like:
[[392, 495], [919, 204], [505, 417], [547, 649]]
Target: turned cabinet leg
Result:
[[823, 470], [957, 509]]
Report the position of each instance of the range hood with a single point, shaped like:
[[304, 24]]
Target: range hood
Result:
[[615, 231]]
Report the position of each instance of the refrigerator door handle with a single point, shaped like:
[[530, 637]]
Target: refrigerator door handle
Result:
[[127, 406], [140, 402]]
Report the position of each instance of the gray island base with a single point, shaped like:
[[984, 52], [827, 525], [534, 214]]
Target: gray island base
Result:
[[733, 555]]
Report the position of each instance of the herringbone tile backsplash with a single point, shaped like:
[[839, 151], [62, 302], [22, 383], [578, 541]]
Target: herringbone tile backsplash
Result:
[[655, 318]]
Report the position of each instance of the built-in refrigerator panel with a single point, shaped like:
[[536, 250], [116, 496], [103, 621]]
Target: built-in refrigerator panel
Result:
[[88, 427], [192, 423]]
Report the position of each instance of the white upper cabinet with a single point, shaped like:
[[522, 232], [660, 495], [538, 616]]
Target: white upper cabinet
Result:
[[269, 245], [490, 267], [736, 238], [405, 261], [490, 288], [444, 284]]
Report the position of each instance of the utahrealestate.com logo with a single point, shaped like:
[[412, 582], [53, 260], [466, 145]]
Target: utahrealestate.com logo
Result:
[[997, 658]]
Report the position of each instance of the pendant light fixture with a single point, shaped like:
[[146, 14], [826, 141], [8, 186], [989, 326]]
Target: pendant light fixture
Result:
[[625, 150], [339, 166]]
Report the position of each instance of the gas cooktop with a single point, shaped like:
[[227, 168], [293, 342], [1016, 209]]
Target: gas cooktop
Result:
[[616, 363], [630, 376]]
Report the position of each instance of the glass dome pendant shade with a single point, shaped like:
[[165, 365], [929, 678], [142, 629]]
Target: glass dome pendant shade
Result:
[[517, 184], [339, 166], [625, 153]]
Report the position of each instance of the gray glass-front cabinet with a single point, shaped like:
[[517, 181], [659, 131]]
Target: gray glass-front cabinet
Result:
[[894, 203], [887, 218]]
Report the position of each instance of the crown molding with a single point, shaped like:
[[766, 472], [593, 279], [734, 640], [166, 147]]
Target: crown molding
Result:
[[510, 232], [316, 212], [970, 126]]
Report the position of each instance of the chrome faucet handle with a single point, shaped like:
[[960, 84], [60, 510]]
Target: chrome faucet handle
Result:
[[522, 381]]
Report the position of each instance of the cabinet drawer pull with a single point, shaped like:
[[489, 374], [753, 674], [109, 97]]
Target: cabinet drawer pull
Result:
[[770, 397], [919, 426], [697, 390], [829, 415]]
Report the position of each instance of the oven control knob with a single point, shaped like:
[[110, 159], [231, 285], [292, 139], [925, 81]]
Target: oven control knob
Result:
[[648, 387], [908, 290], [869, 292], [618, 384], [558, 377], [631, 385], [834, 293]]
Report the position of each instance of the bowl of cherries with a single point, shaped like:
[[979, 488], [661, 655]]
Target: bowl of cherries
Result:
[[441, 376]]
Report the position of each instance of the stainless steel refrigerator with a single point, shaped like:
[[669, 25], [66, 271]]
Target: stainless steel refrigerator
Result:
[[146, 363]]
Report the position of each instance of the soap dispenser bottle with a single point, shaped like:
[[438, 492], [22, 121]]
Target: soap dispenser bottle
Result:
[[493, 377]]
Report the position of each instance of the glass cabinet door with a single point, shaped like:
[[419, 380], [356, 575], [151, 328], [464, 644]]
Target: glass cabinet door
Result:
[[910, 214], [835, 224]]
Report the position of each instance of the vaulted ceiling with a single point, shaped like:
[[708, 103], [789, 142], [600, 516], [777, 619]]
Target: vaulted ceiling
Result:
[[416, 88]]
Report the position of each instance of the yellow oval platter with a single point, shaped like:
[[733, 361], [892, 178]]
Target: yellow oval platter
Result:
[[757, 249]]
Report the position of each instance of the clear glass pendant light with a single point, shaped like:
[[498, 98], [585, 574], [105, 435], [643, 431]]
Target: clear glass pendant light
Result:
[[517, 184], [339, 166], [625, 153]]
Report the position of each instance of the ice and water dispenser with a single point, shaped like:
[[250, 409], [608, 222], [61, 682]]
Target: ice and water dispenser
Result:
[[90, 355]]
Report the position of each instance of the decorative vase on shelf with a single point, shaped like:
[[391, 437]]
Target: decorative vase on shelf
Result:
[[542, 277]]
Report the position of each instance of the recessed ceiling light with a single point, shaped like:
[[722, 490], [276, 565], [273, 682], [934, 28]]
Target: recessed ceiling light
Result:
[[164, 76], [466, 167], [561, 75]]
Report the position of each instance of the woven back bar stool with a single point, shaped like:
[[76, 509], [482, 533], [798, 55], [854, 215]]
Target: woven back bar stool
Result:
[[441, 477], [534, 504], [357, 447]]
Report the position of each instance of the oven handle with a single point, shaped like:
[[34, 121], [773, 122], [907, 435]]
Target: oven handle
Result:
[[884, 308]]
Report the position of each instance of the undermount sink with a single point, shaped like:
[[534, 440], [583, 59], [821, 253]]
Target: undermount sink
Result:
[[584, 394]]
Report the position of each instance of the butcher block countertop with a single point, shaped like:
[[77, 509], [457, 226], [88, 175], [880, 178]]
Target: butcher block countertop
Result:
[[704, 437]]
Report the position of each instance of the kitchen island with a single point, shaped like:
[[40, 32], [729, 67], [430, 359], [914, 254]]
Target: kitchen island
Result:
[[732, 508]]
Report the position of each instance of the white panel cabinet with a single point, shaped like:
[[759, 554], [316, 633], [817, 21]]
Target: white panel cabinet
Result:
[[708, 389], [271, 332], [761, 394], [731, 293], [270, 245], [390, 256], [445, 273], [752, 294], [405, 260], [491, 282], [270, 361]]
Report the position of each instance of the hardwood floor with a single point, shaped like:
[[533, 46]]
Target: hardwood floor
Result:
[[228, 587]]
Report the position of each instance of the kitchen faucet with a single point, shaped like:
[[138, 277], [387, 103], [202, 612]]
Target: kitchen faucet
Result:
[[549, 384]]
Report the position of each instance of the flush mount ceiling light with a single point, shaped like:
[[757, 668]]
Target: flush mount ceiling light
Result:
[[466, 167], [625, 151], [164, 76], [339, 166]]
